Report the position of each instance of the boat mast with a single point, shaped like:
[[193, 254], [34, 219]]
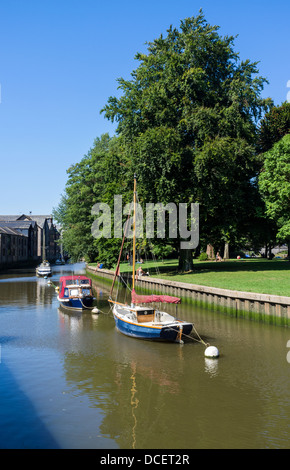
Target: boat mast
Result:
[[134, 233], [120, 254], [43, 244]]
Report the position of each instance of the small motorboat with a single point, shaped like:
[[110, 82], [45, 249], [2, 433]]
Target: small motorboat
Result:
[[75, 293], [44, 269]]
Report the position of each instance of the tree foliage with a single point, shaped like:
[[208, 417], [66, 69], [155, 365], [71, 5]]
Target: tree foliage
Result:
[[188, 118], [274, 182], [187, 125], [98, 176], [274, 125]]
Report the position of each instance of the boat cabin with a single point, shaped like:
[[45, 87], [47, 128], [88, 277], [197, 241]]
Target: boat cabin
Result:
[[145, 314], [75, 286]]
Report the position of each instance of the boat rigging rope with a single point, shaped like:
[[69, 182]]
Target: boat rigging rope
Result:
[[124, 281], [199, 340]]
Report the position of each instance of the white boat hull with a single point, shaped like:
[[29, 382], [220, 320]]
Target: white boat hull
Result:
[[43, 270]]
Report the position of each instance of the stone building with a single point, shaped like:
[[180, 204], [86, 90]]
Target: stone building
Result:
[[48, 235], [29, 230], [41, 238], [13, 246]]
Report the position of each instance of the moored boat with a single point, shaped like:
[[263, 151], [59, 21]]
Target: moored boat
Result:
[[139, 321], [149, 323], [44, 269], [75, 292]]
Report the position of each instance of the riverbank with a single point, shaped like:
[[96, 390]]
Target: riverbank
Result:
[[260, 306]]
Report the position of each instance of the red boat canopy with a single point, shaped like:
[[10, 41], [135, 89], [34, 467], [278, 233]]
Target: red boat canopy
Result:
[[72, 280], [144, 299]]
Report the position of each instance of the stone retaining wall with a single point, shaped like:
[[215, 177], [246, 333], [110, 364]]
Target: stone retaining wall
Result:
[[262, 307]]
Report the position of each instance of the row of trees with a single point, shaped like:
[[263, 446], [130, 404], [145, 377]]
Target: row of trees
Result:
[[191, 123]]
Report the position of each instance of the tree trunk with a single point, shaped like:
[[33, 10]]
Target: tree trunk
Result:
[[226, 251], [185, 260], [210, 251]]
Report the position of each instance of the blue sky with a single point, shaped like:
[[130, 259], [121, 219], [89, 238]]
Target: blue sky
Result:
[[59, 61]]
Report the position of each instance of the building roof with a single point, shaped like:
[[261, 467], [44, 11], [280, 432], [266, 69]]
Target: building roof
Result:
[[8, 218], [39, 219], [18, 224], [10, 231]]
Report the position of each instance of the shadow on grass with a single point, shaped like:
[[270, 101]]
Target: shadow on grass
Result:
[[168, 268], [251, 265]]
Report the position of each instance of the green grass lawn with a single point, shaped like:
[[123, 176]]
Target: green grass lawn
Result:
[[251, 275]]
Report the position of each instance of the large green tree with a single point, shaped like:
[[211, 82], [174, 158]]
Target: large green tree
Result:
[[274, 125], [96, 178], [274, 183], [188, 120]]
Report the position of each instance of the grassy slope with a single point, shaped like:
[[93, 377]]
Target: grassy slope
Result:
[[253, 275]]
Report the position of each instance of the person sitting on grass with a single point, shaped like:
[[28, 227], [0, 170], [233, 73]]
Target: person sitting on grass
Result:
[[218, 257], [140, 272]]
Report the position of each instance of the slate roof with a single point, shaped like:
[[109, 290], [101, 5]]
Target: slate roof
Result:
[[10, 231], [18, 224], [9, 218], [39, 219]]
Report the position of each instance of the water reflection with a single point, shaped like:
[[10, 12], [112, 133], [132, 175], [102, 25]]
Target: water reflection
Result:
[[29, 292], [211, 366], [128, 393], [144, 387], [127, 379]]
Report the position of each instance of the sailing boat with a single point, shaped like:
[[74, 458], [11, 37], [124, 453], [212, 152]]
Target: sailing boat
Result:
[[142, 321], [44, 269]]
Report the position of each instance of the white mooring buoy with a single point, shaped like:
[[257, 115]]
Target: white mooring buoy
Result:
[[212, 352], [95, 310]]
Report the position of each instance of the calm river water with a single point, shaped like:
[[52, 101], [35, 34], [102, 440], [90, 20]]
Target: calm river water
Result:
[[71, 381]]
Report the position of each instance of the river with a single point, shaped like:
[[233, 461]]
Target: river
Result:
[[72, 381]]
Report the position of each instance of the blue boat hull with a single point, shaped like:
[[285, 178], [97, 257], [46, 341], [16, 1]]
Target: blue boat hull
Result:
[[77, 304], [141, 331]]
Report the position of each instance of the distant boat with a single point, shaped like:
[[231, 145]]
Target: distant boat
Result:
[[144, 322], [44, 269], [60, 262], [75, 292]]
